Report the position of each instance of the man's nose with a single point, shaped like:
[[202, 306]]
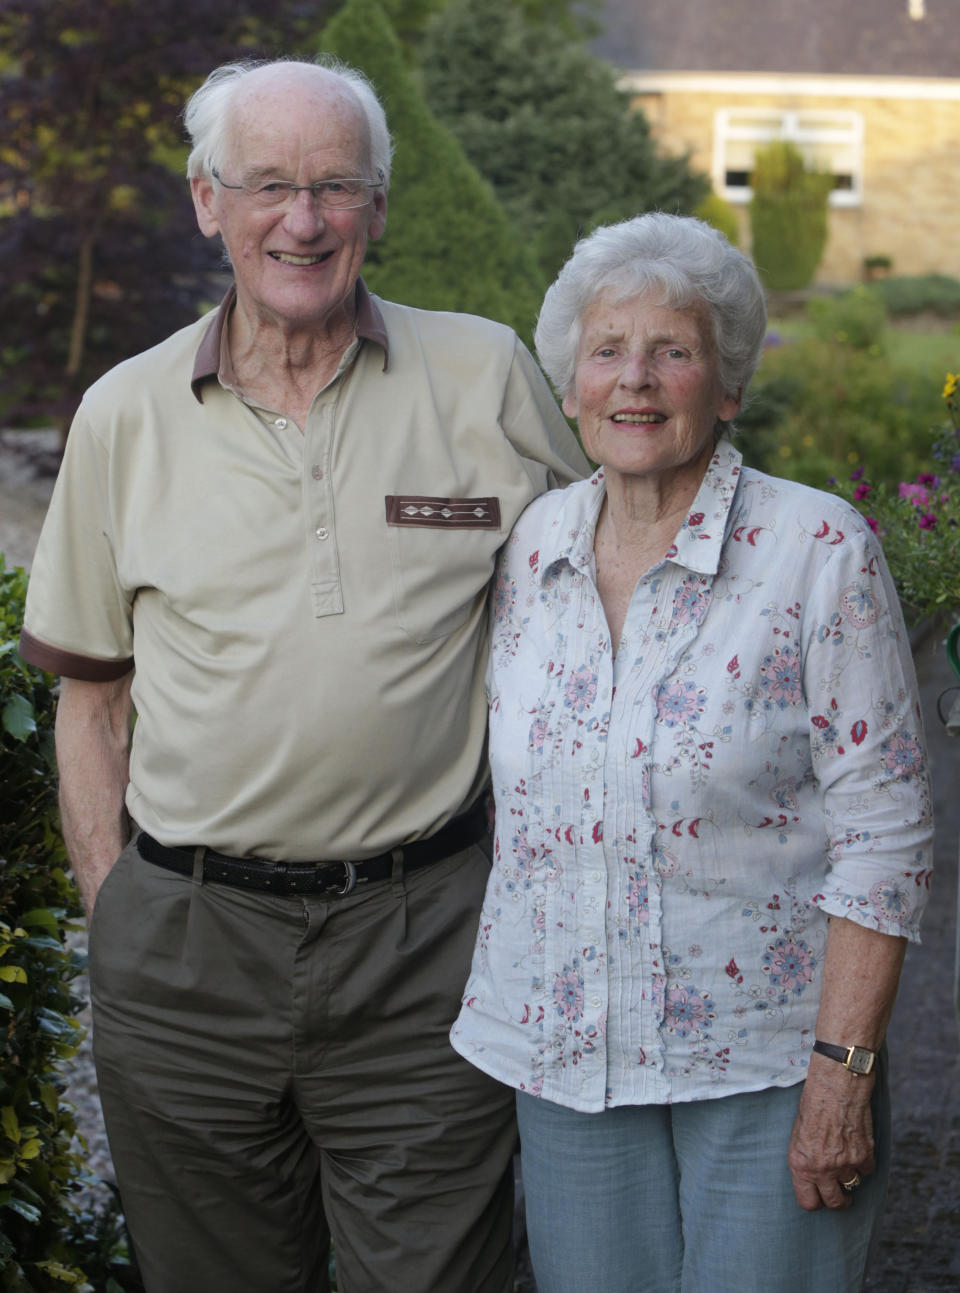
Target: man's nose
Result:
[[304, 217]]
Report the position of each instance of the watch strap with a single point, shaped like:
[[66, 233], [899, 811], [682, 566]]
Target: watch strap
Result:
[[857, 1060]]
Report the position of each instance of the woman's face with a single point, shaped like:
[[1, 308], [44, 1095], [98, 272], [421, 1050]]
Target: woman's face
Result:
[[646, 392]]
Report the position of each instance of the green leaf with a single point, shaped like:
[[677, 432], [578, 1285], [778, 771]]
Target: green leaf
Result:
[[13, 974], [18, 718], [25, 1210], [10, 1123]]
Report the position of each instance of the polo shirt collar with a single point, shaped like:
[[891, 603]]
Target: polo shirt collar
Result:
[[370, 327], [697, 545]]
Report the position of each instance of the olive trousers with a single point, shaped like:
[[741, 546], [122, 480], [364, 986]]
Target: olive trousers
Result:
[[275, 1071]]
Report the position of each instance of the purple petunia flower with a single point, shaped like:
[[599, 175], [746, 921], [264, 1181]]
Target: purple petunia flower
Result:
[[928, 521]]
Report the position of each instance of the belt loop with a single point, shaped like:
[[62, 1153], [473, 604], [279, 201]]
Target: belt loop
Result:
[[399, 890], [397, 886], [199, 853]]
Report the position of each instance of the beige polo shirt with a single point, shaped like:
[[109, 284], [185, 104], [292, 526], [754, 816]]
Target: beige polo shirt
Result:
[[306, 612]]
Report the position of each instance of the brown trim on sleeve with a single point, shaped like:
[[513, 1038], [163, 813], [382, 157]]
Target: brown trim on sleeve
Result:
[[68, 664], [443, 513]]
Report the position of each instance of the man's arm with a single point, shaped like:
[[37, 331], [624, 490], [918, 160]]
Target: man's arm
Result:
[[93, 748]]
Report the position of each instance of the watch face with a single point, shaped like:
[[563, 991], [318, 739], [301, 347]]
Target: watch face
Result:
[[860, 1061]]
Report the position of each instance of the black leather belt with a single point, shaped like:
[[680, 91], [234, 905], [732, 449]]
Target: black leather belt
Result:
[[320, 877]]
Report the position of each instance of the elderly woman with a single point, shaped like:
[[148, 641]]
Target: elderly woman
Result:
[[712, 813]]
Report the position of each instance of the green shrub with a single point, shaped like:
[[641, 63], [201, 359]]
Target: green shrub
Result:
[[819, 409], [42, 1237], [903, 294], [788, 216], [449, 245], [857, 318], [719, 214]]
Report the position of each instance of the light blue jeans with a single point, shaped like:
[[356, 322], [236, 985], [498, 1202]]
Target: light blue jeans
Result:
[[688, 1198]]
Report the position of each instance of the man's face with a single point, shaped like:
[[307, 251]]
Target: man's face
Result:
[[296, 265]]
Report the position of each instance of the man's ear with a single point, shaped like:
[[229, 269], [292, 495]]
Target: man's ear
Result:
[[202, 192], [378, 220]]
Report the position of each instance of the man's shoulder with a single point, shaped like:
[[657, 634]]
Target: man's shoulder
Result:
[[445, 328]]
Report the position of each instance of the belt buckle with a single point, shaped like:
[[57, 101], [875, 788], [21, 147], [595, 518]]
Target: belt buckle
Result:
[[349, 879]]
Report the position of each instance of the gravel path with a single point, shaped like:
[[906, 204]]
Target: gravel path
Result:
[[920, 1250]]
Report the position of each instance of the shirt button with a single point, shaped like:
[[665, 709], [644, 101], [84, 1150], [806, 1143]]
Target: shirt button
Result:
[[323, 532], [280, 423], [316, 471]]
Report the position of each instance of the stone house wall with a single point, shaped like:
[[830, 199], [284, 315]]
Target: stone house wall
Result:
[[909, 207]]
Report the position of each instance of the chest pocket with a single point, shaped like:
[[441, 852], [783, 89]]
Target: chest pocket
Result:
[[443, 551]]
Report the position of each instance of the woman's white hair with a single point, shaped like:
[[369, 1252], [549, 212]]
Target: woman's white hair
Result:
[[680, 262], [207, 116]]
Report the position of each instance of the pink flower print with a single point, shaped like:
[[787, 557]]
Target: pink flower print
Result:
[[504, 597], [780, 678], [679, 702], [538, 734], [581, 690], [687, 1010], [890, 902], [691, 601], [568, 993], [790, 964], [638, 901], [902, 756], [859, 605]]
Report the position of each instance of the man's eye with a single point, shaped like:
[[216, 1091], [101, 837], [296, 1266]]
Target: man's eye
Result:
[[277, 186]]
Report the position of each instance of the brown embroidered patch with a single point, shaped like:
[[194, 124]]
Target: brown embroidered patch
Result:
[[443, 513]]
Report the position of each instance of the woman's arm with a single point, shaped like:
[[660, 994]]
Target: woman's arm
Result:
[[832, 1138], [93, 743]]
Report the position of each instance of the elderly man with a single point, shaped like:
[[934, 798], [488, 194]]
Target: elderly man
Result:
[[272, 538]]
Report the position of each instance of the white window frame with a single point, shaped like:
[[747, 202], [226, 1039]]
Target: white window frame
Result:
[[808, 128]]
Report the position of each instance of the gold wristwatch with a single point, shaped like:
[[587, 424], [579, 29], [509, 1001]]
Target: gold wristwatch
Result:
[[856, 1059]]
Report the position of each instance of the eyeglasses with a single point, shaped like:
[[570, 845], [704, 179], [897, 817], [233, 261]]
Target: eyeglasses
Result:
[[332, 195]]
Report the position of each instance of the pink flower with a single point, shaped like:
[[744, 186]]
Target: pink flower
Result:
[[928, 521], [927, 478], [862, 491], [917, 495]]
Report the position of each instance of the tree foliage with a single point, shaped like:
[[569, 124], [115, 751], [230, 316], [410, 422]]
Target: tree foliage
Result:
[[99, 250], [544, 121], [788, 216], [449, 245]]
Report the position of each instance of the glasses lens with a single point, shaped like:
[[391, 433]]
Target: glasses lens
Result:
[[335, 194]]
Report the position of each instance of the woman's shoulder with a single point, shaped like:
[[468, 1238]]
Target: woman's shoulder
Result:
[[815, 511]]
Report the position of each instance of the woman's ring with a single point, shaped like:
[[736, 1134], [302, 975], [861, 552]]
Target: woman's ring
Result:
[[849, 1186]]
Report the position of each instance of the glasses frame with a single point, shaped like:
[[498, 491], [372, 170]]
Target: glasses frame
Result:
[[315, 189]]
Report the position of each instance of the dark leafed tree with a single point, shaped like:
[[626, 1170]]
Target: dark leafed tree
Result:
[[544, 121], [100, 255]]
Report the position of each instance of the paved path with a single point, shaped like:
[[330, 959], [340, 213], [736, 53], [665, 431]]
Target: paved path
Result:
[[920, 1247]]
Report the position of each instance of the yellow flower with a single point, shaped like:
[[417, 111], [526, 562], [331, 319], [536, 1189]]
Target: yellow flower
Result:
[[951, 385]]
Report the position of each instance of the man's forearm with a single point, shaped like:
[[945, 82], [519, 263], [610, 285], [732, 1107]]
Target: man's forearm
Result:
[[93, 745]]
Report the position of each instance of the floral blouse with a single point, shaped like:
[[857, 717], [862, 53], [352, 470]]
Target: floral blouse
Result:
[[674, 824]]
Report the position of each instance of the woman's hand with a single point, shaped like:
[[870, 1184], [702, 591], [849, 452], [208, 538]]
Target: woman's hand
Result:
[[832, 1138]]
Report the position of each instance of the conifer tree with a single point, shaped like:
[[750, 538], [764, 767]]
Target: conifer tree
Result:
[[542, 118], [449, 245]]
